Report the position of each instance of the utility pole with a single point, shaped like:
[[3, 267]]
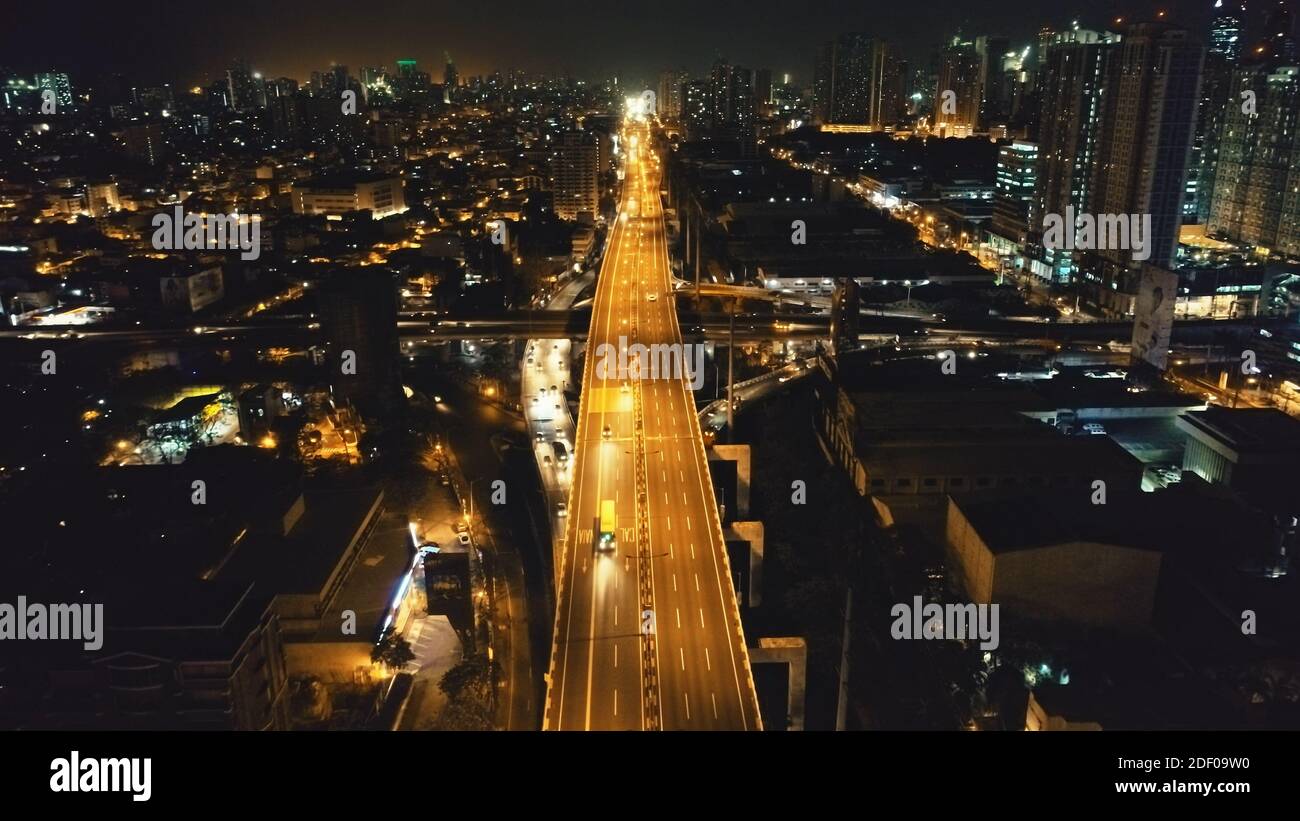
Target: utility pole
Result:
[[731, 359], [685, 216], [698, 230], [842, 705]]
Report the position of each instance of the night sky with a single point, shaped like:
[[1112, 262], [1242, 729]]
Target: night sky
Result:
[[189, 42]]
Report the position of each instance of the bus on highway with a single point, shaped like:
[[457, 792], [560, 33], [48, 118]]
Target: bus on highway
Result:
[[605, 526]]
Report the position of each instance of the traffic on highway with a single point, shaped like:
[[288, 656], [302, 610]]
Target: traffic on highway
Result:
[[647, 632]]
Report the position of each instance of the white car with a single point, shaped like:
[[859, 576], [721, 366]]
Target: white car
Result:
[[652, 297], [561, 509], [463, 538], [1094, 428]]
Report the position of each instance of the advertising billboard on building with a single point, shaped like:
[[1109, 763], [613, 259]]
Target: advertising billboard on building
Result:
[[1153, 316], [194, 291]]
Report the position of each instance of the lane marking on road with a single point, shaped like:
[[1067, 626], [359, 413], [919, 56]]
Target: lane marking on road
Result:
[[678, 612], [604, 284], [708, 662], [688, 522], [687, 696], [682, 651], [697, 582], [701, 617], [715, 704], [731, 617]]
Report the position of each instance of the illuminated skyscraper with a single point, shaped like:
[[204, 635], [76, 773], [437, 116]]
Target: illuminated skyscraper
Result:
[[574, 168], [957, 95], [1255, 199], [242, 93], [410, 80], [671, 86], [59, 83], [855, 82], [1226, 22], [695, 107], [1013, 189], [1144, 140], [1070, 96], [731, 92], [1202, 170]]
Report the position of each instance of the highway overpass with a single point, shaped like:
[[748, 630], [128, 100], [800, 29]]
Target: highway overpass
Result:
[[647, 632]]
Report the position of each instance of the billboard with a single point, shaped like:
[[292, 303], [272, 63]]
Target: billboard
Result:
[[1153, 316], [194, 292]]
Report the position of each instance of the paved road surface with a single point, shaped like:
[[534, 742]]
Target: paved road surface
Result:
[[698, 676]]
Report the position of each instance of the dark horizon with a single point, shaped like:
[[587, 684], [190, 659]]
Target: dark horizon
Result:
[[581, 39]]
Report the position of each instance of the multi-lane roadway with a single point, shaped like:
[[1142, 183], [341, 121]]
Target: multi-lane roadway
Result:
[[647, 634]]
